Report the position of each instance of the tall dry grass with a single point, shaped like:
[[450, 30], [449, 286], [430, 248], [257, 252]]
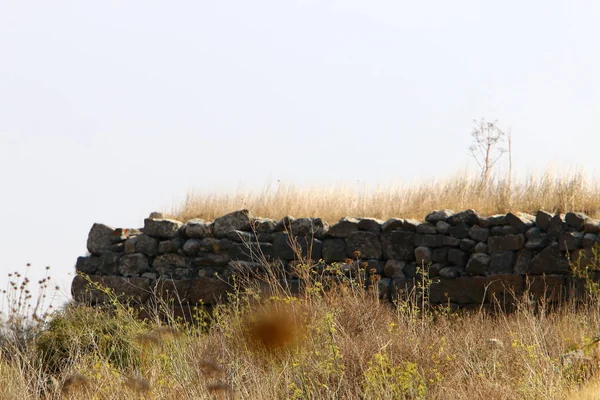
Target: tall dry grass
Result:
[[341, 343], [549, 191]]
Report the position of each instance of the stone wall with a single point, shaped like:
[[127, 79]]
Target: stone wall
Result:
[[471, 260]]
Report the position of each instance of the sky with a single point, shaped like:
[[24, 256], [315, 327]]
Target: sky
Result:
[[112, 109]]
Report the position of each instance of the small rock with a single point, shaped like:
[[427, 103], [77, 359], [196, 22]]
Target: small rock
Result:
[[521, 221], [478, 233]]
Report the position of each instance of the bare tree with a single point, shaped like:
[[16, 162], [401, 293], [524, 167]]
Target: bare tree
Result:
[[486, 150]]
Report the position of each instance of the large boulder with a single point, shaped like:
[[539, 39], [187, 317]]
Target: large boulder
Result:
[[504, 243], [237, 220], [310, 227], [398, 245], [334, 249], [162, 228], [199, 228], [344, 227], [101, 238], [363, 245], [133, 265], [439, 215], [549, 261], [521, 221]]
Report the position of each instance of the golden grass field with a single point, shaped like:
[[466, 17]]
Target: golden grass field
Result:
[[548, 191], [337, 344]]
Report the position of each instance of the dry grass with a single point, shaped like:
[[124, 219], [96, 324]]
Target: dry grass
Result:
[[549, 191], [338, 344]]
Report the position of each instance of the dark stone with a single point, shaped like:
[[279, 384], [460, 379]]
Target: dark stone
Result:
[[478, 233], [589, 239], [146, 245], [198, 228], [133, 265], [171, 266], [457, 257], [311, 227], [261, 251], [461, 290], [410, 270], [429, 240], [478, 264], [542, 219], [575, 220], [502, 262], [481, 248], [88, 265], [423, 255], [551, 287], [101, 237], [536, 239], [285, 248], [504, 243], [450, 241], [171, 246], [569, 241], [411, 225], [234, 221], [468, 217], [208, 291], [549, 261], [241, 236], [451, 272], [523, 263], [504, 230], [521, 221], [136, 290], [162, 228], [591, 226], [392, 224], [284, 224], [211, 260], [439, 215], [434, 269], [366, 244], [426, 228], [467, 245], [442, 227], [398, 245], [460, 230], [263, 225], [504, 289], [370, 225], [109, 263], [334, 250], [344, 228], [394, 269], [557, 226], [493, 220], [192, 246], [440, 255], [373, 267]]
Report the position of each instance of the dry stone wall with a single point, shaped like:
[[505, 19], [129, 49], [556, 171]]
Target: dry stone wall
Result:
[[471, 260]]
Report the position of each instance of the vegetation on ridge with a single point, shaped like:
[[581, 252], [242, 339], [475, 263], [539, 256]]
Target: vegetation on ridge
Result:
[[550, 191]]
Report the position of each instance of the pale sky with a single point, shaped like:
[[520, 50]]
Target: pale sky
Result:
[[112, 109]]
